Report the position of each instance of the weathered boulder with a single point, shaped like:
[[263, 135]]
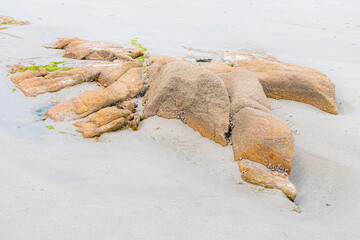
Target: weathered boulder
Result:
[[287, 81], [127, 86], [155, 64], [245, 90], [90, 50], [262, 137], [256, 134], [192, 94], [109, 119]]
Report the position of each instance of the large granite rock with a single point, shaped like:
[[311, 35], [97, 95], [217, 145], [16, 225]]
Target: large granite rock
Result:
[[192, 94], [258, 135]]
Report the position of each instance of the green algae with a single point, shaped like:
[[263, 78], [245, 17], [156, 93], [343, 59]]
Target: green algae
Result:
[[139, 46], [52, 67]]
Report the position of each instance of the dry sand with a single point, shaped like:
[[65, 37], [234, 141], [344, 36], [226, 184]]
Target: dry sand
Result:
[[165, 181]]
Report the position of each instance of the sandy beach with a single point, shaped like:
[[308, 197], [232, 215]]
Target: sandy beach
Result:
[[165, 181]]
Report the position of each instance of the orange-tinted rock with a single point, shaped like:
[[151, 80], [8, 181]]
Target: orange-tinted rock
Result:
[[14, 68], [160, 59], [109, 119], [262, 137], [127, 86], [10, 20], [33, 83], [111, 72], [217, 66], [90, 50], [192, 94], [18, 78], [245, 90], [258, 135], [52, 82], [268, 179], [287, 81]]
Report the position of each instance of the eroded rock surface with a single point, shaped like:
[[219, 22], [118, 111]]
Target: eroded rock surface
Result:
[[4, 21], [127, 86], [90, 50], [266, 178], [280, 80], [109, 119], [33, 83], [287, 81], [257, 134], [192, 94]]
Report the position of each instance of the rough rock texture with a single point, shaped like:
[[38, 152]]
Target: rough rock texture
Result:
[[127, 86], [109, 119], [217, 66], [268, 179], [258, 135], [245, 91], [287, 81], [192, 94], [14, 68], [159, 59], [90, 50], [155, 64], [111, 72], [20, 77], [262, 137], [4, 20], [33, 83]]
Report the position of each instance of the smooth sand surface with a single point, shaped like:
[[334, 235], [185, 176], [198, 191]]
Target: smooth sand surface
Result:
[[165, 181]]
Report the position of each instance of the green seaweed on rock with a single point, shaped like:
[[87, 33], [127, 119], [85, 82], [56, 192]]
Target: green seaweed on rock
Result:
[[52, 67], [139, 46]]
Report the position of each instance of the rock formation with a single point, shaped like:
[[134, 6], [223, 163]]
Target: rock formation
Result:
[[4, 21], [267, 178], [127, 86], [109, 119], [258, 135], [281, 80], [90, 50], [192, 94], [222, 100], [33, 83]]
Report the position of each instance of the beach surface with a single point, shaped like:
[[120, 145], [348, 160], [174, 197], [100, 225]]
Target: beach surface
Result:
[[165, 181]]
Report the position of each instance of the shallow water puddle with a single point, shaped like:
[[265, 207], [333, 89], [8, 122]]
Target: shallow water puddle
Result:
[[40, 113]]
